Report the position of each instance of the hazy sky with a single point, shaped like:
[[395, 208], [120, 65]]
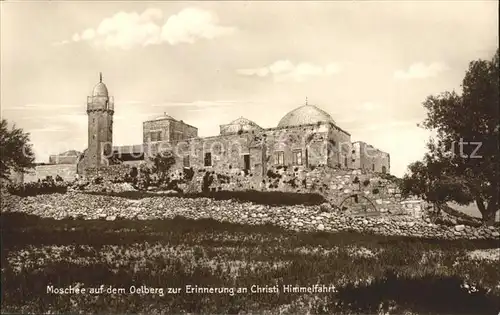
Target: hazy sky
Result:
[[369, 64]]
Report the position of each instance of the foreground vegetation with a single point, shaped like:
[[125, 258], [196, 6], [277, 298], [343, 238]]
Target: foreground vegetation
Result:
[[371, 274]]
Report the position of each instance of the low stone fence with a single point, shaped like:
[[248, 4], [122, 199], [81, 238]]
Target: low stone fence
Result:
[[298, 218]]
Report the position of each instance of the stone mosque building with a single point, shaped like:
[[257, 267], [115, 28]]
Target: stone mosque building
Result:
[[306, 137]]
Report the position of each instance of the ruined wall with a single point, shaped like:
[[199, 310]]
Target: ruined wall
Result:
[[225, 152], [66, 171], [366, 157], [376, 194], [308, 145], [310, 140], [339, 148], [301, 145]]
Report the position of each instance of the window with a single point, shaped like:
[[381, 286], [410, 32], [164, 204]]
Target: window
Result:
[[307, 158], [208, 159], [373, 167], [384, 169], [279, 158], [297, 157], [155, 135], [185, 161], [345, 161]]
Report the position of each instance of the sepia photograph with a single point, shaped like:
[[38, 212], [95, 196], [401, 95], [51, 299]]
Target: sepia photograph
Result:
[[250, 157]]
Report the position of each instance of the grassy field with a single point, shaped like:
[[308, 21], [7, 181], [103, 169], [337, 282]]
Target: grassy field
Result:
[[371, 274]]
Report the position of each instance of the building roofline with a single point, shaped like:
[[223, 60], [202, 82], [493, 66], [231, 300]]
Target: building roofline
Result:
[[371, 146], [307, 125], [166, 118]]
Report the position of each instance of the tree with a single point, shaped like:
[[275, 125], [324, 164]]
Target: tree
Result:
[[16, 154], [462, 162], [162, 162]]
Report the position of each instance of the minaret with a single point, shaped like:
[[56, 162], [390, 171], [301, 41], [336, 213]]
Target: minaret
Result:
[[100, 109]]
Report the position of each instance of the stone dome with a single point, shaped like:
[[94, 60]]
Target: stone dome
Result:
[[305, 115], [240, 124], [100, 88], [164, 116]]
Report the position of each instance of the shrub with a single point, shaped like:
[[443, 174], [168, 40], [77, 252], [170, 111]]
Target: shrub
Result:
[[38, 188], [272, 174], [292, 183], [162, 163], [375, 191], [356, 180], [366, 182], [188, 174]]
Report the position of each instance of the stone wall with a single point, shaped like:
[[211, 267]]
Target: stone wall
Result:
[[366, 157], [339, 148], [108, 173], [169, 129], [66, 171], [304, 145], [375, 194], [61, 159], [257, 151], [297, 218], [179, 130]]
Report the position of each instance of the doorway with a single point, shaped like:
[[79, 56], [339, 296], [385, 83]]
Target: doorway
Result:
[[246, 162]]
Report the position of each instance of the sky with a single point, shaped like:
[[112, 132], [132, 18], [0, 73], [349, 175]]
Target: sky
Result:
[[369, 64]]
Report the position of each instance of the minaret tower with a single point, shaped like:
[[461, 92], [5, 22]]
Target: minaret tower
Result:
[[100, 109]]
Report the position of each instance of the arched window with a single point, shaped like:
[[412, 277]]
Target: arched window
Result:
[[384, 170]]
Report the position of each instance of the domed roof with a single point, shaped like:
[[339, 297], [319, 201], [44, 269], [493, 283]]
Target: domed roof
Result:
[[164, 116], [100, 88], [240, 124], [305, 115]]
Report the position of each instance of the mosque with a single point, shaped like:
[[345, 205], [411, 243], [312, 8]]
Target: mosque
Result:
[[305, 137]]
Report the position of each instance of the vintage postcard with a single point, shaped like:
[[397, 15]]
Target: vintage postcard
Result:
[[250, 157]]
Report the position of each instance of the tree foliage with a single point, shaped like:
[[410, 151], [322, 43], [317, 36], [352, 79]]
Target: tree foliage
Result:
[[16, 153], [462, 162], [162, 163]]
